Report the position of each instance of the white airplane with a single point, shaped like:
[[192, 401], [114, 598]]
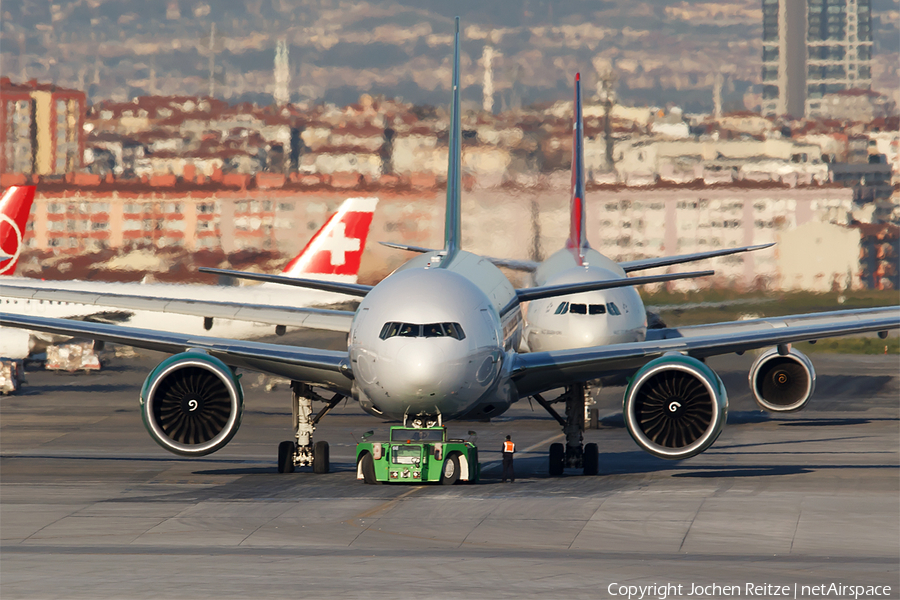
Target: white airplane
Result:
[[332, 254], [587, 319], [437, 340]]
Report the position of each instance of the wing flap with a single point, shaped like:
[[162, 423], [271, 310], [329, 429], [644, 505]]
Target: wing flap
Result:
[[539, 371], [324, 368], [316, 318]]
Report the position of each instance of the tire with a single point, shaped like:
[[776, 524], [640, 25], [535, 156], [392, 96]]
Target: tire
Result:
[[321, 463], [367, 465], [557, 459], [450, 472], [286, 457], [591, 459]]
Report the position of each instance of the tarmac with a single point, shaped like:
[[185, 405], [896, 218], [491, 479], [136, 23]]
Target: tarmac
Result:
[[91, 507]]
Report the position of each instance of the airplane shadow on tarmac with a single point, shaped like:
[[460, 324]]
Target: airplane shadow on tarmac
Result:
[[98, 388]]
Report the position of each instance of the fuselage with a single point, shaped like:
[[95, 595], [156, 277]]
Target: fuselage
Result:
[[434, 338], [587, 319]]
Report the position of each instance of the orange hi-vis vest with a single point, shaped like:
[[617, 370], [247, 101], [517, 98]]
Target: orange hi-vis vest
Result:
[[509, 446]]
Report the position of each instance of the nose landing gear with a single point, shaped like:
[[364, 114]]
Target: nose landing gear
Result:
[[301, 452], [574, 454]]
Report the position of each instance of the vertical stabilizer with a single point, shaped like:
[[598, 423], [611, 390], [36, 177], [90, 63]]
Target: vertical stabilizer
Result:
[[15, 206], [452, 225], [577, 236], [335, 251]]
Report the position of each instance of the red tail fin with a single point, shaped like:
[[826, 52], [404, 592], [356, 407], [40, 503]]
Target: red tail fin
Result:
[[577, 236], [335, 251], [15, 206]]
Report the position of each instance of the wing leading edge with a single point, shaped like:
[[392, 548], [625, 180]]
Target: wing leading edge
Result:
[[323, 368], [289, 316], [539, 371]]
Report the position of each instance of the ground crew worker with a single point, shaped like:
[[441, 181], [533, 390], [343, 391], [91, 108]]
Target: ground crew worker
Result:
[[509, 448]]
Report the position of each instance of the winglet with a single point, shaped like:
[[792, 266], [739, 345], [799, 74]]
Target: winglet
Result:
[[15, 206], [577, 241], [452, 224], [335, 251]]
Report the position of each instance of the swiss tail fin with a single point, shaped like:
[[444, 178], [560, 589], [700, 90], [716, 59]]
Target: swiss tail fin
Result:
[[452, 224], [15, 206], [577, 241], [335, 251]]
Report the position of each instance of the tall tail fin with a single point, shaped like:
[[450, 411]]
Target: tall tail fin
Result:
[[335, 251], [577, 235], [452, 224], [15, 206]]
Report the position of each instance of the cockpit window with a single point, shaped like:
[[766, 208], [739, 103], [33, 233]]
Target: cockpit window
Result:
[[586, 309], [453, 330], [393, 329], [434, 330]]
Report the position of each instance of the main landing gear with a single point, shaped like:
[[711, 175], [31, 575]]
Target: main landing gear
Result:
[[574, 454], [301, 452]]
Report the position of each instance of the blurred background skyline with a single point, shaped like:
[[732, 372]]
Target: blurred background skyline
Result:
[[663, 52]]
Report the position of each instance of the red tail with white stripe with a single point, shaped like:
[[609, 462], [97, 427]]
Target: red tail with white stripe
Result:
[[15, 206], [335, 251], [577, 241]]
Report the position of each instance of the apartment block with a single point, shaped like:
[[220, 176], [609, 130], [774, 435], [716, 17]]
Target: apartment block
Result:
[[812, 48], [41, 128]]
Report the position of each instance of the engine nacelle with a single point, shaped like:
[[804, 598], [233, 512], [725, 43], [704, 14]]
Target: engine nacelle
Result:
[[15, 343], [675, 407], [782, 383], [192, 404]]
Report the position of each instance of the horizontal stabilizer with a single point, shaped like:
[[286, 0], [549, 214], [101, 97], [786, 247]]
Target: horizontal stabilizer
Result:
[[418, 249], [529, 266], [550, 291], [665, 261], [351, 289]]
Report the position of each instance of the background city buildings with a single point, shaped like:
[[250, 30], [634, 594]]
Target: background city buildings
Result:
[[812, 50], [815, 169]]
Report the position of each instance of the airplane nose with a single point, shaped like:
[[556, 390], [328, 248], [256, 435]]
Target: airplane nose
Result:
[[589, 336], [421, 366]]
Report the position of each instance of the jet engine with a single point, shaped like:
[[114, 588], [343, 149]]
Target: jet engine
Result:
[[782, 383], [15, 343], [192, 403], [675, 407]]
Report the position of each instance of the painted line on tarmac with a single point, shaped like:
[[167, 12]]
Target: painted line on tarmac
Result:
[[383, 507], [496, 463]]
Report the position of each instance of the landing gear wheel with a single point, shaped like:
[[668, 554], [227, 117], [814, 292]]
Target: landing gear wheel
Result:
[[320, 458], [367, 467], [286, 457], [450, 475], [557, 459], [591, 459]]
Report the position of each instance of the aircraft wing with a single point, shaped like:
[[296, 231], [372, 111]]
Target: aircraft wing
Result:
[[550, 291], [539, 371], [323, 368], [530, 266], [664, 261], [315, 318]]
